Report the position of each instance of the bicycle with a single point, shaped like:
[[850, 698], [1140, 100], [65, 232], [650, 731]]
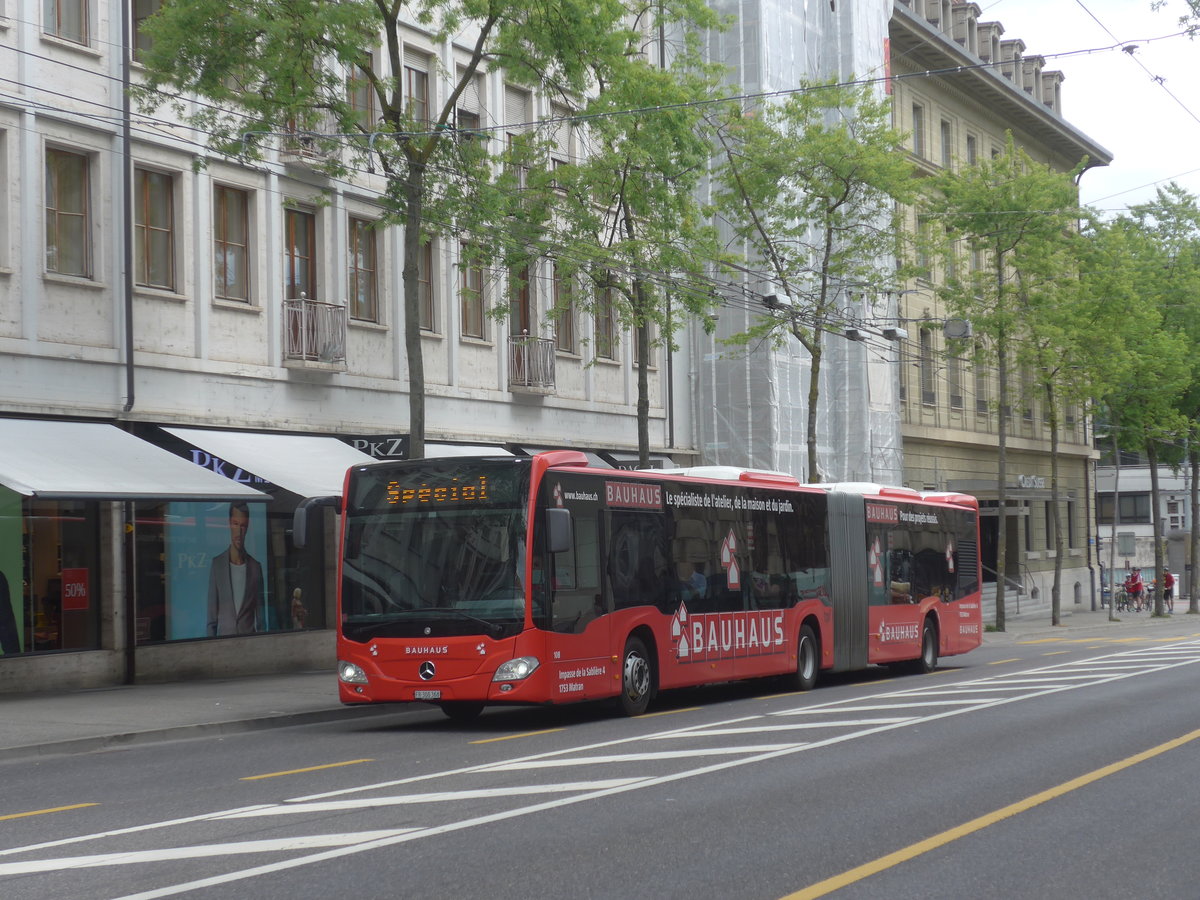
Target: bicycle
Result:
[[1122, 600]]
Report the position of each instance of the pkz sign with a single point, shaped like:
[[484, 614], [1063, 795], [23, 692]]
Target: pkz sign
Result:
[[1031, 481], [379, 446]]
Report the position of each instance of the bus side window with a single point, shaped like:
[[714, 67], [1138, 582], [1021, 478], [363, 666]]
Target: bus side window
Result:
[[577, 579]]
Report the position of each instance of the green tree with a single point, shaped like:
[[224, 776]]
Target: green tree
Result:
[[811, 189], [1016, 214], [622, 221], [266, 71]]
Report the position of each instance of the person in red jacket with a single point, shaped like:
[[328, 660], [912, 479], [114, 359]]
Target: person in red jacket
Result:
[[1169, 591], [1135, 589]]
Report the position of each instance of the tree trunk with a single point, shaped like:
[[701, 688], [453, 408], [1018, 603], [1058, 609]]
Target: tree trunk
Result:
[[1116, 523], [1160, 570], [1056, 519], [643, 376], [1001, 482], [814, 396], [413, 188], [1194, 539]]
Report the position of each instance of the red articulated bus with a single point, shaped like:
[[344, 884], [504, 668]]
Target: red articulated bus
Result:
[[535, 580]]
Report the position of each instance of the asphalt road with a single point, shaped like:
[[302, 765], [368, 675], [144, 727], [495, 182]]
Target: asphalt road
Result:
[[1062, 770]]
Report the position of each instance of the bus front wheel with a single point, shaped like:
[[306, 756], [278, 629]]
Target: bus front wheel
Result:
[[462, 710], [637, 678], [808, 661]]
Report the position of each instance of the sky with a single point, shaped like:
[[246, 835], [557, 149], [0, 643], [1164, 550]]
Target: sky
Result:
[[1150, 127]]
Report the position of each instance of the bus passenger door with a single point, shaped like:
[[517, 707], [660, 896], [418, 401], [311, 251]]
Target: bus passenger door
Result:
[[578, 639]]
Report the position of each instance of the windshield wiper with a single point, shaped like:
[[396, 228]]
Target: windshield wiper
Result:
[[493, 628]]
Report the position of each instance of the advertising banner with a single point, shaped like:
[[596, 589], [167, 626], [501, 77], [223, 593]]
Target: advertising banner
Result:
[[12, 580], [216, 583]]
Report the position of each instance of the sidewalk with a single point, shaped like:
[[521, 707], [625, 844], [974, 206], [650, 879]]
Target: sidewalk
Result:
[[34, 725], [106, 718]]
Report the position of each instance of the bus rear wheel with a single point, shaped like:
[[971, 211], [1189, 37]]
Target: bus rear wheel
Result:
[[808, 661], [637, 678], [462, 710]]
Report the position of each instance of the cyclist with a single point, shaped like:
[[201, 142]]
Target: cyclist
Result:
[[1134, 588]]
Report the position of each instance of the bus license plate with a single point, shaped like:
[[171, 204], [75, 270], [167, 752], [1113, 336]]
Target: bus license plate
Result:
[[427, 695]]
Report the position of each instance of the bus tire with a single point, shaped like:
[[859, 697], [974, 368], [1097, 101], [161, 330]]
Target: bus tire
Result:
[[637, 678], [462, 710], [928, 660], [808, 661]]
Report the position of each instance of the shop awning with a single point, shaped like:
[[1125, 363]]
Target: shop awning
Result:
[[434, 451], [57, 460], [307, 465]]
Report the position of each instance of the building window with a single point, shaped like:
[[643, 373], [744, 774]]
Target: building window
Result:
[[981, 381], [416, 86], [142, 10], [954, 379], [300, 238], [928, 385], [360, 97], [947, 144], [564, 305], [924, 257], [154, 230], [918, 129], [1049, 525], [363, 271], [68, 216], [468, 115], [972, 150], [606, 324], [902, 363], [471, 295], [425, 285], [66, 19], [52, 572], [521, 312], [1071, 535], [231, 244], [1135, 509]]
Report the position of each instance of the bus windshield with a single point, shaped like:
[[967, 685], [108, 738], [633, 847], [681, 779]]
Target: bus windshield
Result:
[[435, 548]]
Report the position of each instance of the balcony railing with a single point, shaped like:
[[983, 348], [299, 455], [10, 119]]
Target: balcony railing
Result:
[[314, 332], [530, 364]]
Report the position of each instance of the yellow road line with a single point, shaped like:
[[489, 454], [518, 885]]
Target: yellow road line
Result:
[[667, 712], [351, 762], [1056, 653], [837, 882], [1054, 640], [1002, 661], [513, 737], [42, 812]]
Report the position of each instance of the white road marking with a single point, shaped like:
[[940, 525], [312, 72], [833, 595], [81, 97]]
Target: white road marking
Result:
[[279, 845], [640, 757], [438, 797]]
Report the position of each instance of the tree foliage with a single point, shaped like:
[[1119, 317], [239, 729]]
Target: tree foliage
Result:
[[811, 190]]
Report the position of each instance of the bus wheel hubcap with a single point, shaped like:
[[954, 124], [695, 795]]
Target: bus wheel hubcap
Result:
[[637, 676]]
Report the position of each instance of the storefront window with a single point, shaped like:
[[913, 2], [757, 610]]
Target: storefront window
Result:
[[221, 569], [49, 575]]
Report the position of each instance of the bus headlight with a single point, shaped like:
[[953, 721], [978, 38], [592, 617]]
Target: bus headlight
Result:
[[516, 669], [349, 673]]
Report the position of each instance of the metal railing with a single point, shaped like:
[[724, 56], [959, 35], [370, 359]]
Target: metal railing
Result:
[[530, 363], [314, 331]]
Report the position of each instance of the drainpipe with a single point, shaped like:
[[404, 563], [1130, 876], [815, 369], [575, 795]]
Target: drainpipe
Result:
[[127, 201]]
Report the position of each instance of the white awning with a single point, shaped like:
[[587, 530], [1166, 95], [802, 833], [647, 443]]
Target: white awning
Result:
[[435, 451], [307, 465], [94, 461]]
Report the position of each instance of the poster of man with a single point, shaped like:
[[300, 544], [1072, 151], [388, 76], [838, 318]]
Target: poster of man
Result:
[[216, 575], [235, 582]]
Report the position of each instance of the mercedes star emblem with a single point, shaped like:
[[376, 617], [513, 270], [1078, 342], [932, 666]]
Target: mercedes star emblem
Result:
[[427, 670]]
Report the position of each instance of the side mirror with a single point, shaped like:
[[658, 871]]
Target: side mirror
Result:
[[300, 517], [558, 530]]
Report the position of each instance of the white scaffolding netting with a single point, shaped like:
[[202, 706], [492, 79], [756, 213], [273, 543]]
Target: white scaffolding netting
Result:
[[750, 404]]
